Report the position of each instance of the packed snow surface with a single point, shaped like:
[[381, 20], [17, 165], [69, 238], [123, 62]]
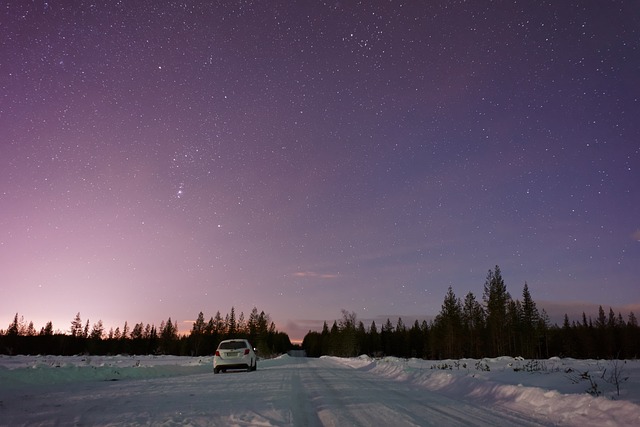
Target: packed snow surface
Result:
[[287, 391]]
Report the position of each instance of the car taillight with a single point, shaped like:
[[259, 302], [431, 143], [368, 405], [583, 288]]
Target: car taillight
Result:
[[246, 351], [217, 353]]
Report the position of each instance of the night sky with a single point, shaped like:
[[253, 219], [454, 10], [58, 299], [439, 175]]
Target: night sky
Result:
[[158, 159]]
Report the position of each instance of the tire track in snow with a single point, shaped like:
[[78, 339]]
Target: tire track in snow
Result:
[[303, 411]]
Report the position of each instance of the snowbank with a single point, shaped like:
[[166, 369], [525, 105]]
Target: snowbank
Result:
[[41, 370], [566, 391]]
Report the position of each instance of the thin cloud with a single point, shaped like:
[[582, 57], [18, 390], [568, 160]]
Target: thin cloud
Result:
[[312, 274]]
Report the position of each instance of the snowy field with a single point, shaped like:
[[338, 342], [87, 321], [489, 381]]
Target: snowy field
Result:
[[183, 391]]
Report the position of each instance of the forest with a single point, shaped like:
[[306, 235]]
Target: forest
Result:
[[201, 340], [498, 325]]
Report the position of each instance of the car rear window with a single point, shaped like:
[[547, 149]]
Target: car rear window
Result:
[[232, 345]]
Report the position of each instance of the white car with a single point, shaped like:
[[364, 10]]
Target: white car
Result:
[[235, 354]]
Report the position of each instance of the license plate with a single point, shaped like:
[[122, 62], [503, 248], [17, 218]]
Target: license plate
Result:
[[232, 354]]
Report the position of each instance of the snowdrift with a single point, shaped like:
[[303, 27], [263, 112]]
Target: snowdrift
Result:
[[567, 391]]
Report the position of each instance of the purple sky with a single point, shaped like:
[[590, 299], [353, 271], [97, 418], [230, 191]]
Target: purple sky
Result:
[[158, 160]]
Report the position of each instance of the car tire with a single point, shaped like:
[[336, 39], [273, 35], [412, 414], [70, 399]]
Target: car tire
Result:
[[216, 370]]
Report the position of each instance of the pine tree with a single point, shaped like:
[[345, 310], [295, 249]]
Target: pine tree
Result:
[[219, 325], [543, 333], [209, 328], [603, 333], [198, 325], [400, 339], [448, 326], [426, 339], [529, 324], [601, 321], [473, 325], [241, 325], [375, 346], [361, 341], [415, 340], [262, 334], [230, 320], [386, 338], [168, 337], [252, 325], [31, 330], [197, 336], [568, 337], [496, 299], [346, 345], [334, 342], [47, 330], [14, 327], [632, 321], [137, 332], [97, 331], [514, 328], [125, 331], [632, 337], [325, 339], [76, 326]]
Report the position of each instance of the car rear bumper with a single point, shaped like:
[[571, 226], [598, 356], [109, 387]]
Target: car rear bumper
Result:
[[233, 366]]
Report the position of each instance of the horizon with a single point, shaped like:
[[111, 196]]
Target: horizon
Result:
[[554, 310]]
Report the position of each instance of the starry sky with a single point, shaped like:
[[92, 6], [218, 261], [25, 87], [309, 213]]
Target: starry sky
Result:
[[158, 159]]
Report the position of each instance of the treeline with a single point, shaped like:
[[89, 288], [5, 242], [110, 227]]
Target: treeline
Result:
[[496, 326], [82, 337]]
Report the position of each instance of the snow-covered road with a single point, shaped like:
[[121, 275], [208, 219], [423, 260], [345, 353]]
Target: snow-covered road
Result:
[[283, 392], [328, 394]]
